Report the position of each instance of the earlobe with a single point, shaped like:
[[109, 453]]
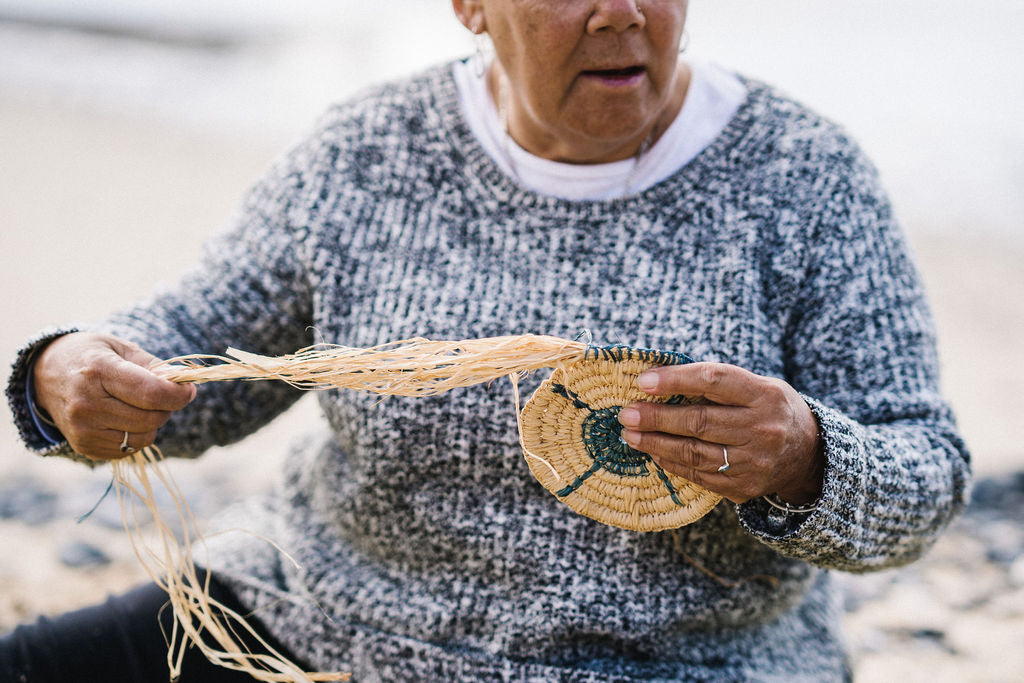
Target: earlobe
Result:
[[471, 14]]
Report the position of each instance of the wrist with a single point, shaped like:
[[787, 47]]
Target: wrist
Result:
[[46, 374], [802, 495], [807, 488], [37, 381]]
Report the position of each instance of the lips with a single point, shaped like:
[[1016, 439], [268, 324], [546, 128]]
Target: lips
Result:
[[616, 76], [626, 72]]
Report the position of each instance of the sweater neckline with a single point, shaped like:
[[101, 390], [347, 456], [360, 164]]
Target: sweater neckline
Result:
[[487, 178]]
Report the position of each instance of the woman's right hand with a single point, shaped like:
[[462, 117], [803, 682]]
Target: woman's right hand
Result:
[[97, 387]]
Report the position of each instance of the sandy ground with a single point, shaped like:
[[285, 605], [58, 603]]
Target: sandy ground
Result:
[[95, 210]]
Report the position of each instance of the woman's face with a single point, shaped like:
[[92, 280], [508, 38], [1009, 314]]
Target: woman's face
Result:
[[586, 81]]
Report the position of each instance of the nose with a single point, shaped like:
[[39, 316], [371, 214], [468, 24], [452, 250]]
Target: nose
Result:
[[615, 16]]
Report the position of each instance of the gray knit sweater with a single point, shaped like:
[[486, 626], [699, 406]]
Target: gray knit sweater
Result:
[[427, 551]]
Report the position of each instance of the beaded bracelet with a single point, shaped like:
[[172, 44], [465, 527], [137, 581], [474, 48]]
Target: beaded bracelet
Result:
[[778, 504]]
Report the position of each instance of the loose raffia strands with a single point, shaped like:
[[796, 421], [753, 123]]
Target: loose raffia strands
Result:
[[199, 620], [414, 367], [569, 433], [569, 429]]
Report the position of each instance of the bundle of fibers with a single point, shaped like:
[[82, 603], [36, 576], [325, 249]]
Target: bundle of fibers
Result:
[[413, 367], [199, 620], [568, 430]]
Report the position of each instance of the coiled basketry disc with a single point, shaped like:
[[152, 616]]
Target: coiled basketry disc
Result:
[[571, 438]]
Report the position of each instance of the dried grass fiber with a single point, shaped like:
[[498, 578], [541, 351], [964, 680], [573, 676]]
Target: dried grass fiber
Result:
[[414, 367], [199, 620]]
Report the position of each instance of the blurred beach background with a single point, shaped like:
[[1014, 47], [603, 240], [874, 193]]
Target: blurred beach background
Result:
[[129, 131]]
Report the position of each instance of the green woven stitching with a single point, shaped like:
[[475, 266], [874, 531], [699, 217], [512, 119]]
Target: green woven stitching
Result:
[[621, 352], [603, 440], [602, 431]]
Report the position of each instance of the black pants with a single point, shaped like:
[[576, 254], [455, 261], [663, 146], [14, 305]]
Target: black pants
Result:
[[119, 641]]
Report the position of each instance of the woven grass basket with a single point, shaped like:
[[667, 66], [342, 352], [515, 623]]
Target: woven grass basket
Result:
[[571, 438]]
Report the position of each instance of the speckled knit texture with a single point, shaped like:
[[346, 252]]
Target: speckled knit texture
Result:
[[427, 550]]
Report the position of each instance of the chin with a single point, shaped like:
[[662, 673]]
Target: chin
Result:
[[616, 120]]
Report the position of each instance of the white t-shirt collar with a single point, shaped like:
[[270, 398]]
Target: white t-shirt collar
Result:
[[711, 101]]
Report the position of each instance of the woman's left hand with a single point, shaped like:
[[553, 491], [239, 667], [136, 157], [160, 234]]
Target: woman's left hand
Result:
[[769, 431]]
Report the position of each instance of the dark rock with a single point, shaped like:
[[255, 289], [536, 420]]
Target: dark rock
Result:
[[933, 636], [79, 554], [1003, 494], [26, 500], [1003, 555]]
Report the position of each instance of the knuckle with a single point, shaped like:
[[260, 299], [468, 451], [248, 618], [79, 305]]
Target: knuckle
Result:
[[712, 374], [777, 437], [146, 421], [158, 419], [775, 391], [769, 434], [90, 373], [87, 446], [654, 417], [699, 420], [780, 436], [690, 453], [78, 409]]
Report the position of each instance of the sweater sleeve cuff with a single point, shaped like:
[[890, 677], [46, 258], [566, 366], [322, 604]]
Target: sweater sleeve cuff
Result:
[[35, 434], [43, 424], [814, 536]]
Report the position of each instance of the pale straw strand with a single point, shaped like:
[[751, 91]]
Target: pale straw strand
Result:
[[199, 620], [414, 367]]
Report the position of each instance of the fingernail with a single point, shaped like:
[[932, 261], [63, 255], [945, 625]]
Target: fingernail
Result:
[[631, 437], [630, 417], [195, 391], [648, 381]]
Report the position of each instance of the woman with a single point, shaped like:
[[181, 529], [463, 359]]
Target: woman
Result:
[[587, 178]]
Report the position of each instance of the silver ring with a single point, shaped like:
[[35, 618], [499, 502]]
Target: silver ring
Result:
[[125, 448], [725, 454]]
